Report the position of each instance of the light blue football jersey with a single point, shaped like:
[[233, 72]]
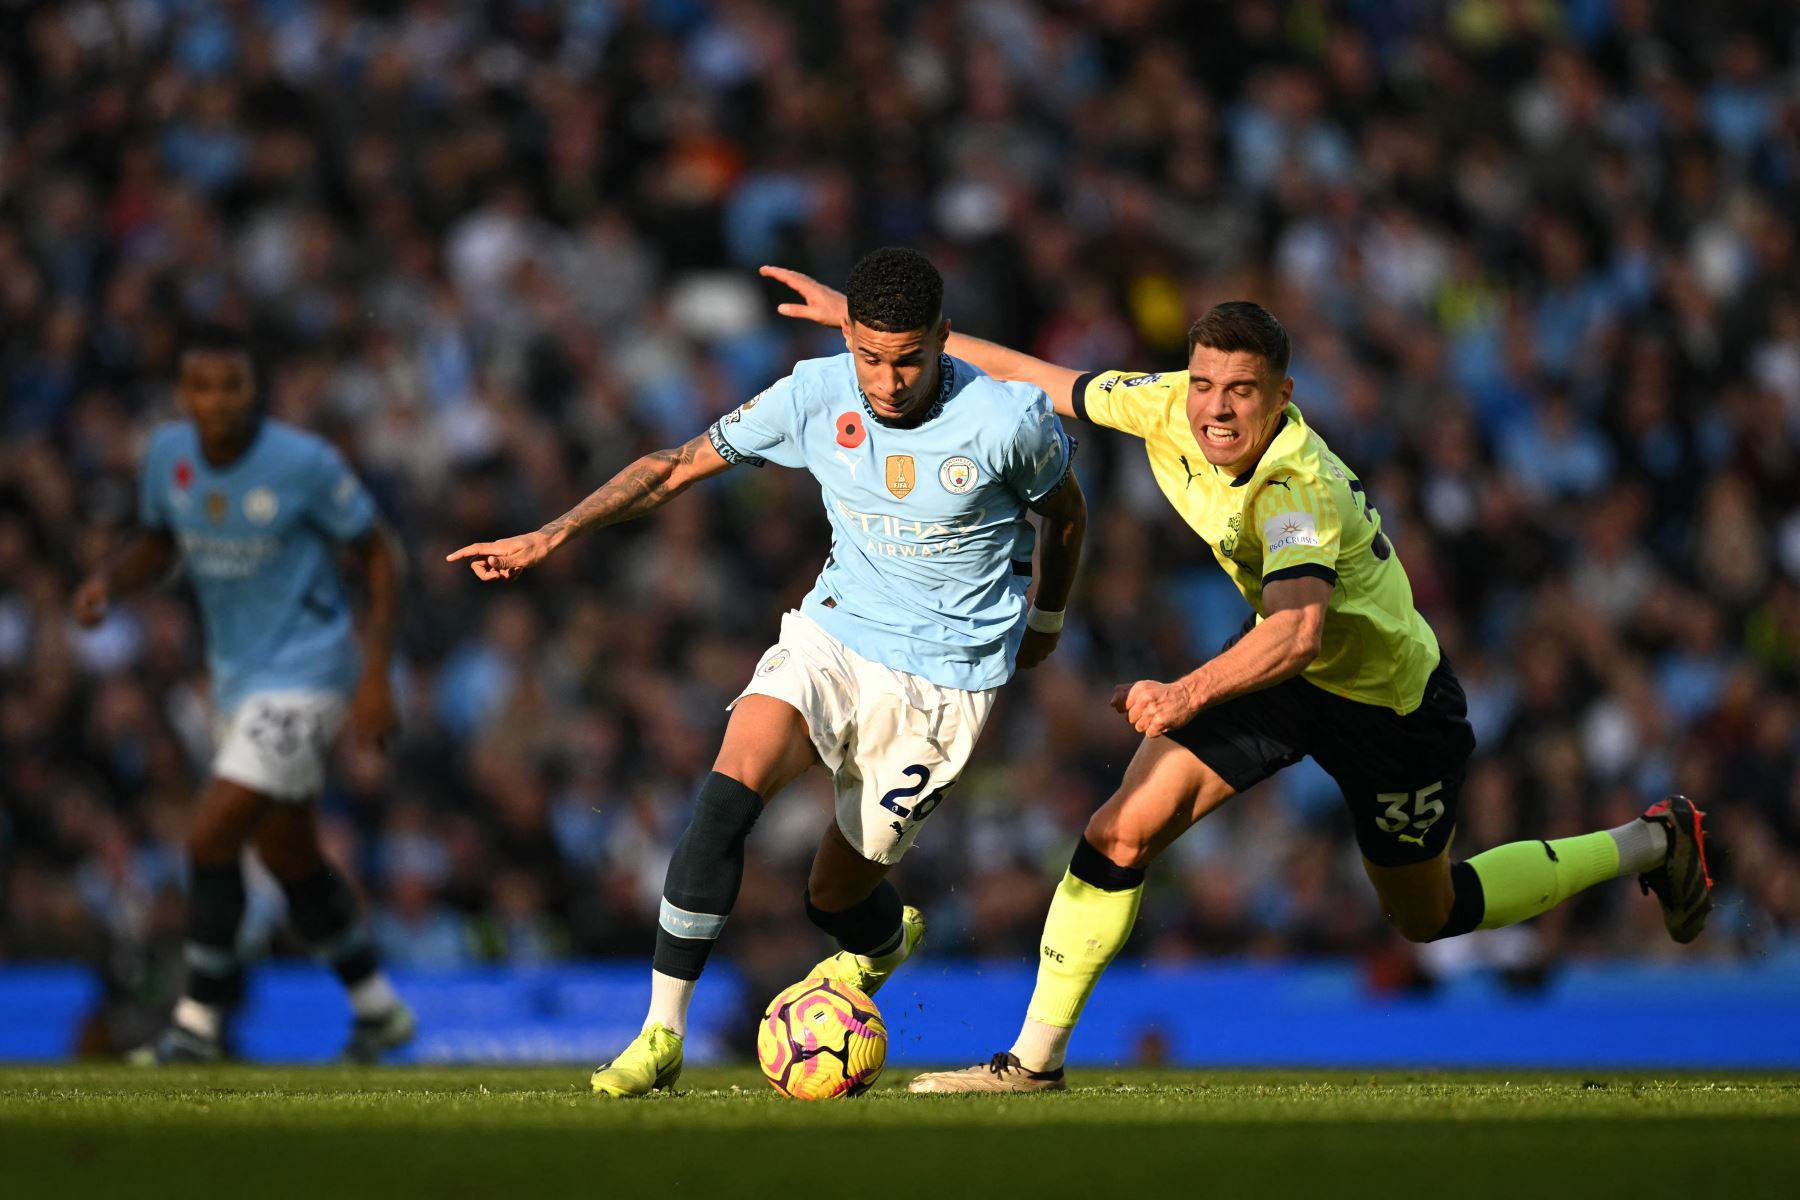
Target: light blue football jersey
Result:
[[930, 549], [259, 539]]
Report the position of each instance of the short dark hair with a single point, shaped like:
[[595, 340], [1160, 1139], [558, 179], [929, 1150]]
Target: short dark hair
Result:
[[1242, 325], [213, 337], [895, 290]]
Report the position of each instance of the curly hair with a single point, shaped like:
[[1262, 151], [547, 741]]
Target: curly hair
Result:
[[895, 290], [216, 338], [1242, 325]]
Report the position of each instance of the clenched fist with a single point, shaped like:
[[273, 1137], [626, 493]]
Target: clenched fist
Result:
[[1155, 708]]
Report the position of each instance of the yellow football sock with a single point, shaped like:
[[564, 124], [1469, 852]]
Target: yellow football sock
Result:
[[1522, 879], [1086, 927]]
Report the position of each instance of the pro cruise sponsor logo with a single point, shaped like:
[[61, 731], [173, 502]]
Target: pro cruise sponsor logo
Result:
[[1289, 529]]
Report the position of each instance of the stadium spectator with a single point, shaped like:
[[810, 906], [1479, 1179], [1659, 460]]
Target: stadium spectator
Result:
[[1542, 260]]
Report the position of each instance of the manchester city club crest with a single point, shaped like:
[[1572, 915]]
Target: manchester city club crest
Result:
[[901, 475], [260, 506], [775, 662], [957, 475]]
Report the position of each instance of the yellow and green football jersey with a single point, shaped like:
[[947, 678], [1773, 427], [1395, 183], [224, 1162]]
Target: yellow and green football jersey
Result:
[[1300, 511]]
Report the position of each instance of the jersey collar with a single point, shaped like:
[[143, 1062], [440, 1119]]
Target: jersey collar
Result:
[[1247, 476], [946, 381], [250, 447]]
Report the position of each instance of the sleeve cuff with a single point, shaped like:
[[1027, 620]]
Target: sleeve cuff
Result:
[[1302, 571], [1078, 394], [730, 453], [1067, 471]]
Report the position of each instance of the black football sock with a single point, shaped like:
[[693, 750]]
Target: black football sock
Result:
[[324, 912], [215, 977], [871, 927], [704, 876]]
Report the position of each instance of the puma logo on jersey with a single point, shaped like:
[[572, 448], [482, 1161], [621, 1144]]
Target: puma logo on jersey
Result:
[[848, 462], [1417, 839], [1188, 469]]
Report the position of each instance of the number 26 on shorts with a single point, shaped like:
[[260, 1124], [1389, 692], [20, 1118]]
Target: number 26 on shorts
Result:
[[921, 775]]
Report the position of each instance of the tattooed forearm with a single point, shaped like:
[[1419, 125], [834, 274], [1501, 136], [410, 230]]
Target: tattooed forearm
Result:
[[639, 488]]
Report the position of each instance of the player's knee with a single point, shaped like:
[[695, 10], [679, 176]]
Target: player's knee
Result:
[[766, 747], [1116, 842], [213, 843], [833, 894], [843, 874], [739, 768], [289, 859], [825, 898]]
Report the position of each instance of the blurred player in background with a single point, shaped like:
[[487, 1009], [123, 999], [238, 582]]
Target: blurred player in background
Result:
[[1336, 663], [257, 511], [890, 668]]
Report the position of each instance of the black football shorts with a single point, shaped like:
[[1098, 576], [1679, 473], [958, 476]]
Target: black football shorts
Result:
[[1401, 776]]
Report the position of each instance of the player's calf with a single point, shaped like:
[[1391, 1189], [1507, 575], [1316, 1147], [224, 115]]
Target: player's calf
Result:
[[699, 891], [1664, 848], [215, 976], [325, 914]]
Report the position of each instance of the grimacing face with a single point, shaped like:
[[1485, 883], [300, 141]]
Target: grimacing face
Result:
[[898, 372], [217, 388], [1233, 406]]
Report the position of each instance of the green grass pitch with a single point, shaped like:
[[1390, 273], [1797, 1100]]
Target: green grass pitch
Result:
[[452, 1132]]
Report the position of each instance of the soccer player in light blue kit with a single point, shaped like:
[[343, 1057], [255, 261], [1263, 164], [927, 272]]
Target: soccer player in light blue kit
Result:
[[890, 667], [258, 511]]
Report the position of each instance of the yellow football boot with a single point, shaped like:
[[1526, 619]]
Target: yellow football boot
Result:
[[651, 1063]]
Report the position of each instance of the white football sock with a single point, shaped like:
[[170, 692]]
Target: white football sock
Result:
[[198, 1018], [669, 1000], [1643, 845], [1042, 1047], [373, 997]]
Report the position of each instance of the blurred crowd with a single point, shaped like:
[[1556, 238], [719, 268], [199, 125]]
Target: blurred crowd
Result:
[[1539, 264]]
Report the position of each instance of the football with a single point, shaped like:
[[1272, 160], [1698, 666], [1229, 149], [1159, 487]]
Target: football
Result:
[[821, 1039]]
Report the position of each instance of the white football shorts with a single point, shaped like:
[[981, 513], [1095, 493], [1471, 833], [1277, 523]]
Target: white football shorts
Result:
[[277, 742], [894, 742]]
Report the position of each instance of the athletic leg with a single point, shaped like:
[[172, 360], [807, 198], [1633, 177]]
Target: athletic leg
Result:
[[325, 914], [849, 898], [1165, 791], [767, 746], [908, 744], [1402, 777], [1517, 881], [223, 819]]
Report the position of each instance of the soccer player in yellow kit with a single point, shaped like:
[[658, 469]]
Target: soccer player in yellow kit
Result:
[[1337, 663]]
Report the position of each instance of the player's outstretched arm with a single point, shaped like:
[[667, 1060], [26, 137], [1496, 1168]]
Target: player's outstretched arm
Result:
[[1279, 647], [825, 305], [146, 558], [1003, 362], [642, 487], [1059, 554]]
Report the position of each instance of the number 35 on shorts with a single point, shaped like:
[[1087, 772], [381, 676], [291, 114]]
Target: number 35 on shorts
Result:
[[1409, 815]]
